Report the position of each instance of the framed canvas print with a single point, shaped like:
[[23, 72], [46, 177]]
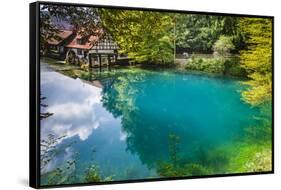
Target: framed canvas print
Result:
[[121, 94]]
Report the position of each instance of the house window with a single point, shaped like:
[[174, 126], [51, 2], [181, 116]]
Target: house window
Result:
[[79, 51], [79, 41]]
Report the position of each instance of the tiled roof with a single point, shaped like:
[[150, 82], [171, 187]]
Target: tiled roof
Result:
[[63, 34], [87, 43]]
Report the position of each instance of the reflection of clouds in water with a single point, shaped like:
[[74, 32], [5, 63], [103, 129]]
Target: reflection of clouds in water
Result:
[[76, 106], [58, 161], [123, 136]]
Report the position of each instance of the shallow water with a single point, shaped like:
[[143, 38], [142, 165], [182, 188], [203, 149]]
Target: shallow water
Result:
[[127, 127]]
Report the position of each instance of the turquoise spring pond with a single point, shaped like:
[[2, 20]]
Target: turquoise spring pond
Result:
[[126, 127]]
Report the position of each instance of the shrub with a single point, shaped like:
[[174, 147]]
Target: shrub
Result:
[[221, 65], [223, 45], [232, 67], [211, 65]]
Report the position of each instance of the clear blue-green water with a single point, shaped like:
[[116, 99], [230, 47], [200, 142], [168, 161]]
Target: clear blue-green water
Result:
[[125, 127]]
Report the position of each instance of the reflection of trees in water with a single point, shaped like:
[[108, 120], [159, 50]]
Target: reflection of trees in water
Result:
[[53, 148], [262, 131], [48, 145], [176, 165], [46, 114], [49, 149], [143, 136], [63, 174], [158, 142]]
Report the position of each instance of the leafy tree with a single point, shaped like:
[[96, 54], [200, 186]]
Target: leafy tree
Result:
[[223, 45], [83, 20], [257, 59], [143, 35], [198, 33], [48, 31]]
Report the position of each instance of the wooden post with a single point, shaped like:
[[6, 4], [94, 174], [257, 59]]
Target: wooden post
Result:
[[100, 61], [175, 40], [109, 62], [90, 61]]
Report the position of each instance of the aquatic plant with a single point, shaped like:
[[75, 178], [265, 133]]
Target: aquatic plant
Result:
[[217, 158], [177, 166], [174, 141], [92, 174], [251, 158], [166, 169]]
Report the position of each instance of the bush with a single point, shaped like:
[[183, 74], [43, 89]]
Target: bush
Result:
[[220, 65], [232, 67], [223, 45], [211, 65]]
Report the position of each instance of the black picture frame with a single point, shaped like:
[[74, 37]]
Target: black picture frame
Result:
[[34, 93]]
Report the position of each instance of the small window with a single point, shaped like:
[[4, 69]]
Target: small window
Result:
[[79, 51], [79, 41]]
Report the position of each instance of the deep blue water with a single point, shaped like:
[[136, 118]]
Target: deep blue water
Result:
[[125, 127]]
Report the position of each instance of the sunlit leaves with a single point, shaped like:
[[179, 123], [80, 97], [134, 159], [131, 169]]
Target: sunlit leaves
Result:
[[142, 35], [223, 45], [257, 59]]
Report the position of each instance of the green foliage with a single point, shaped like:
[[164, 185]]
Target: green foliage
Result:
[[85, 66], [176, 166], [251, 158], [227, 65], [198, 33], [143, 35], [86, 75], [174, 141], [257, 59], [85, 20], [232, 67], [196, 170], [166, 169], [261, 132], [92, 174], [223, 45], [210, 65], [62, 175], [217, 159], [71, 58], [48, 31]]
